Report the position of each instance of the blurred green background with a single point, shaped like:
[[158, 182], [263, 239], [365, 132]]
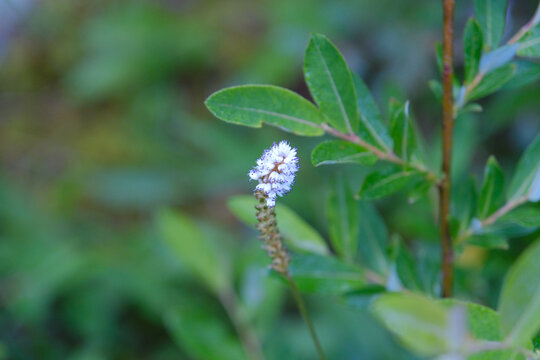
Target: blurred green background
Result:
[[102, 125]]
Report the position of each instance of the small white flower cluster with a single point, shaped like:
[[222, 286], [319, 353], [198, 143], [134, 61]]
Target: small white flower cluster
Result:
[[275, 171]]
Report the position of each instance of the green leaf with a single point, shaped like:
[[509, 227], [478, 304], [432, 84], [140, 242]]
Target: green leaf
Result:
[[464, 201], [492, 192], [526, 73], [194, 327], [298, 234], [342, 214], [489, 241], [472, 48], [529, 45], [483, 323], [383, 183], [499, 57], [526, 170], [406, 266], [325, 275], [526, 216], [372, 238], [330, 83], [492, 82], [519, 304], [339, 152], [420, 323], [251, 105], [436, 89], [188, 244], [402, 130], [491, 15], [469, 108], [372, 128]]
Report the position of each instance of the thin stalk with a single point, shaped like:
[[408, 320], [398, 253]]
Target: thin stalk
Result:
[[245, 332], [503, 210], [273, 244], [447, 134], [305, 315], [382, 155], [526, 27]]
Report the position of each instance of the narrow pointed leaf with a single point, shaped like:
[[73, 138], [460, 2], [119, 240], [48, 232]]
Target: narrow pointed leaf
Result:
[[529, 46], [342, 215], [253, 105], [472, 48], [339, 152], [491, 15], [526, 73], [436, 89], [464, 200], [190, 246], [492, 192], [492, 82], [499, 57], [372, 238], [330, 83], [298, 234], [406, 266], [402, 130], [525, 173], [383, 183], [519, 304], [371, 127]]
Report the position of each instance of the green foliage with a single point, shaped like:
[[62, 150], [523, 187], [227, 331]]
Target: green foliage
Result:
[[519, 304], [417, 321], [526, 170], [194, 328], [254, 104], [373, 238], [372, 128], [530, 44], [492, 82], [491, 195], [342, 214], [491, 15], [330, 83], [402, 130], [339, 151], [325, 275], [482, 324], [192, 248], [472, 49], [103, 133], [385, 182]]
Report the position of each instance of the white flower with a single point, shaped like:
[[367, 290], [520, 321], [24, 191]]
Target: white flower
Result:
[[275, 171]]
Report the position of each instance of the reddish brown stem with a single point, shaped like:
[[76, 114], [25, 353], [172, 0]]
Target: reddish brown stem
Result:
[[447, 133]]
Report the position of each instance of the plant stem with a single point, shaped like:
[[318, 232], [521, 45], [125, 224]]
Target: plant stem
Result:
[[503, 210], [447, 134], [305, 315], [245, 332], [526, 27], [382, 155]]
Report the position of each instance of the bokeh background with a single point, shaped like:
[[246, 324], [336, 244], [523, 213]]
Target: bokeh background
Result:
[[102, 125]]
